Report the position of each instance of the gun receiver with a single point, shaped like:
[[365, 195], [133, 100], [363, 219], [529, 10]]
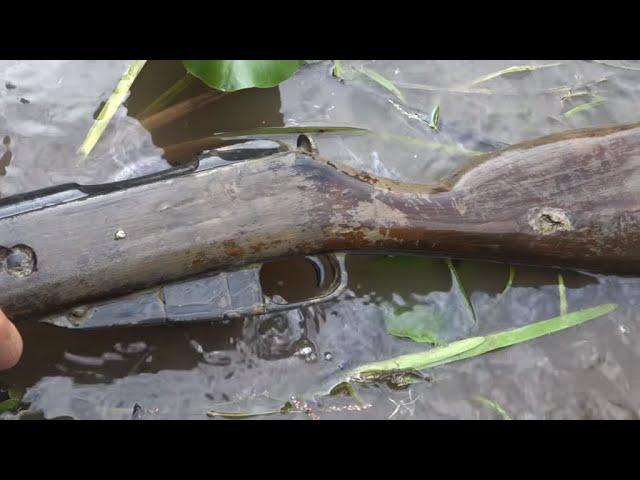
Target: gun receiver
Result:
[[570, 200]]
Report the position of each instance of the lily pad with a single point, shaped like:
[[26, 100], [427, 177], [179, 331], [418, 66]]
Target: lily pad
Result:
[[232, 75]]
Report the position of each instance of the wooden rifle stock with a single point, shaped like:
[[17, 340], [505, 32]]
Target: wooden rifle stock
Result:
[[570, 200]]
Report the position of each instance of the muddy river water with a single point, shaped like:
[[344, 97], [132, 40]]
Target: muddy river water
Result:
[[587, 372]]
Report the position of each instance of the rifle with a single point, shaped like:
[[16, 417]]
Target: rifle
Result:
[[187, 244]]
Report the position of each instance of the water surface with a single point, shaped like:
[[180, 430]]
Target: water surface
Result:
[[46, 108]]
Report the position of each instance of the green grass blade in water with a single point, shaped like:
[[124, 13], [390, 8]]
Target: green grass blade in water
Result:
[[292, 130], [254, 411], [419, 360], [435, 118], [232, 75], [512, 276], [382, 81], [535, 330], [239, 415], [617, 65], [510, 71], [472, 347], [597, 101], [494, 406], [110, 108], [337, 70], [460, 291]]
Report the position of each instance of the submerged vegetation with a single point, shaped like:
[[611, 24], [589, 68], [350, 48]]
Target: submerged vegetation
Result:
[[221, 75]]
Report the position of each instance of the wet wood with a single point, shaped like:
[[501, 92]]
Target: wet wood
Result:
[[569, 200]]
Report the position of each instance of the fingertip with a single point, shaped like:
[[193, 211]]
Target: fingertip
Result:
[[10, 343]]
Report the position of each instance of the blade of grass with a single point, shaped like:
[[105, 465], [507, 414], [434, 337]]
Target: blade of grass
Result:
[[562, 291], [435, 118], [512, 276], [110, 108], [510, 71], [285, 408], [216, 140], [238, 415], [416, 361], [474, 346], [484, 91], [500, 298], [382, 81], [457, 285], [534, 330], [584, 85], [433, 88], [597, 100], [573, 95], [614, 65], [493, 405], [292, 130], [336, 70], [463, 349]]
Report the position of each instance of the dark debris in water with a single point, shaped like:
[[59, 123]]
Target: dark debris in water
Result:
[[137, 412], [5, 159]]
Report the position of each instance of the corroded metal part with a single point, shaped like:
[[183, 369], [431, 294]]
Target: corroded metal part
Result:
[[212, 297], [570, 200]]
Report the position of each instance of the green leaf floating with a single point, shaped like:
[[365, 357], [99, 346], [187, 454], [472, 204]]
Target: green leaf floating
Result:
[[232, 75]]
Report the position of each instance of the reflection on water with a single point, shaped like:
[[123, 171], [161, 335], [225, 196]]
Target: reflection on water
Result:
[[182, 371]]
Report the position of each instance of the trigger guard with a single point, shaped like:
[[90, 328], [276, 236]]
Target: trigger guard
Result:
[[319, 268], [338, 286]]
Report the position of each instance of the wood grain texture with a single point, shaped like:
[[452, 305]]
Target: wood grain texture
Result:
[[570, 200]]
